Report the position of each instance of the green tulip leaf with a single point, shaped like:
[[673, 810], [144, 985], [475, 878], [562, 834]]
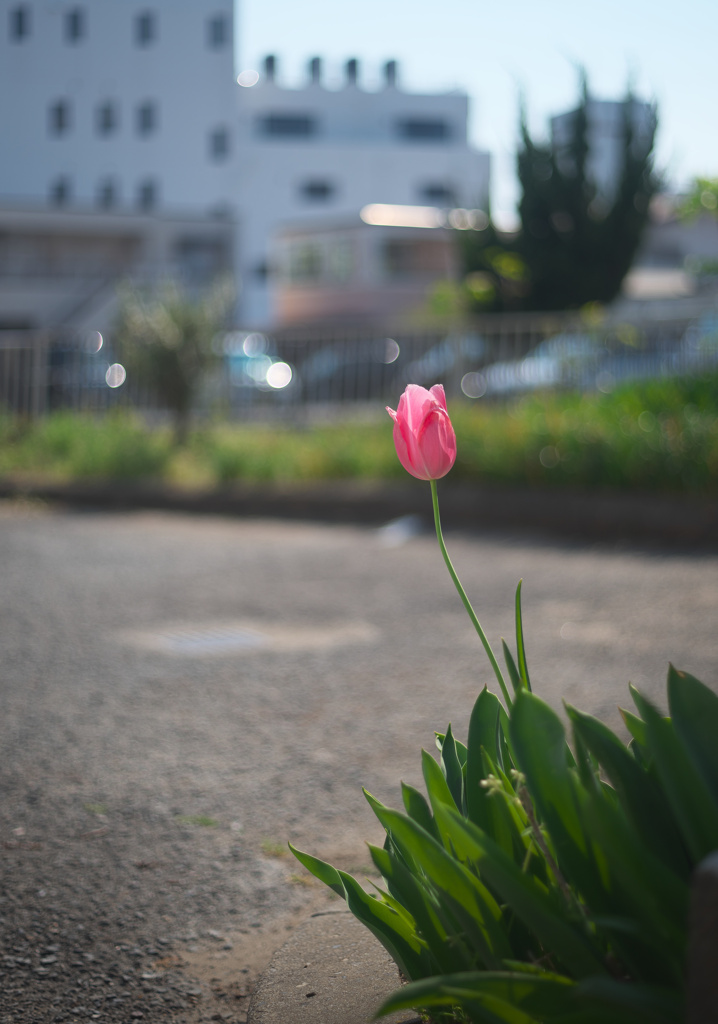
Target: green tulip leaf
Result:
[[448, 951], [321, 870], [690, 798], [394, 932], [541, 911], [417, 808], [694, 713], [523, 668], [470, 898], [483, 735], [642, 800], [516, 680], [452, 769]]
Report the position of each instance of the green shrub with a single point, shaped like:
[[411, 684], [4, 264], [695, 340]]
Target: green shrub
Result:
[[72, 446]]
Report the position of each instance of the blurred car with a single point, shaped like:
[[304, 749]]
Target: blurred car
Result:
[[352, 371], [567, 360], [699, 345], [453, 354], [254, 364]]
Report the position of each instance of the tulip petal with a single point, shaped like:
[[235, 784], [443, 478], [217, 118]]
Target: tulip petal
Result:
[[423, 435], [439, 394]]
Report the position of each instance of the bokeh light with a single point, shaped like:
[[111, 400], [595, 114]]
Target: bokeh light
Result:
[[247, 78], [116, 375], [391, 351], [473, 384], [279, 375]]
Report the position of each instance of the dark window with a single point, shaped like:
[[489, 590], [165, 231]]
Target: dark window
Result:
[[305, 262], [436, 193], [217, 32], [107, 118], [408, 258], [59, 117], [294, 126], [423, 129], [147, 194], [20, 22], [147, 118], [60, 191], [74, 25], [107, 194], [145, 28], [317, 190], [219, 144]]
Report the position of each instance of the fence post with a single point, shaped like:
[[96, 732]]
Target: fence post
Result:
[[702, 987], [39, 347]]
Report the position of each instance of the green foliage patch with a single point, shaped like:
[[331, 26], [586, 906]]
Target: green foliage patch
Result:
[[660, 435]]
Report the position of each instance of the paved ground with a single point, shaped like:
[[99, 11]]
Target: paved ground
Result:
[[179, 696]]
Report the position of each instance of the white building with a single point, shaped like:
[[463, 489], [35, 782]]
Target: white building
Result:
[[124, 132], [121, 104], [117, 124], [321, 154]]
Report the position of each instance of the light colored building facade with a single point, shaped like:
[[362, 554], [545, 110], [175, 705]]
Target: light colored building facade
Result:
[[318, 155], [123, 104], [117, 120], [126, 135]]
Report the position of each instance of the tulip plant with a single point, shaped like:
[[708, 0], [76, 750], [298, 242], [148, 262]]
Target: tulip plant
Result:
[[541, 880]]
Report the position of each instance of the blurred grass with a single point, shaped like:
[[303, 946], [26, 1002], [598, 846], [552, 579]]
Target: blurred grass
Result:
[[660, 435]]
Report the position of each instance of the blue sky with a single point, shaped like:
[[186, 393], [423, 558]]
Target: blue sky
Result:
[[494, 50]]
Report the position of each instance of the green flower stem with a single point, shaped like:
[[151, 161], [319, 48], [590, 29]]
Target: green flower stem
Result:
[[464, 598]]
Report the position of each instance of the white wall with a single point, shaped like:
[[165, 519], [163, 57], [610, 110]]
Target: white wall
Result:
[[190, 83]]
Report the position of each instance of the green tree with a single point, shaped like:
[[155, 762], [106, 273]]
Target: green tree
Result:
[[166, 338], [702, 198], [576, 242]]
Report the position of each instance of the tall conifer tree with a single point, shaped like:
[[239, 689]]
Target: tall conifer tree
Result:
[[576, 243]]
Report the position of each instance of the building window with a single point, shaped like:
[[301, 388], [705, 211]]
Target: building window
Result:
[[107, 118], [292, 126], [107, 194], [438, 193], [219, 144], [413, 258], [305, 262], [217, 32], [19, 23], [59, 117], [74, 25], [423, 129], [145, 28], [147, 194], [147, 118], [317, 190], [60, 191]]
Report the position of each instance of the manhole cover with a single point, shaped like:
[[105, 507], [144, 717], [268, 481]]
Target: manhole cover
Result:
[[197, 640], [207, 641]]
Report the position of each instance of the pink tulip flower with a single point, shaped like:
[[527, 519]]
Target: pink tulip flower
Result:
[[423, 435]]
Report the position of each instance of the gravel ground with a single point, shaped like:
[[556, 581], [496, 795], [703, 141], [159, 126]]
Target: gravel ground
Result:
[[179, 696]]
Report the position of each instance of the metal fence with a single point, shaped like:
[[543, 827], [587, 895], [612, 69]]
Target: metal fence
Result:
[[293, 372]]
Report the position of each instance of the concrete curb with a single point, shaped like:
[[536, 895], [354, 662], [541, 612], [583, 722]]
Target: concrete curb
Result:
[[330, 971], [643, 517]]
